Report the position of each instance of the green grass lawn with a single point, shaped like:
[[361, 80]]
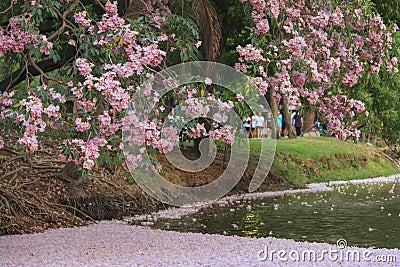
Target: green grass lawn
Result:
[[308, 160]]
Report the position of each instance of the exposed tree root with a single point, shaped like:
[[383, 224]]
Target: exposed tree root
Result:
[[33, 198], [22, 211]]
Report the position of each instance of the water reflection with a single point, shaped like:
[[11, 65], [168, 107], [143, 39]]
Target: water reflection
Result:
[[251, 222]]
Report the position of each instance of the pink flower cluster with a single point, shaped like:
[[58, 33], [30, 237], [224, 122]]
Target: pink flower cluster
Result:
[[338, 109], [199, 131], [162, 139], [295, 46], [259, 15], [6, 100], [53, 111], [160, 10], [81, 126], [84, 153], [140, 134], [81, 18], [86, 105], [250, 53], [32, 115], [169, 139], [84, 66], [106, 127], [17, 37], [110, 20], [33, 124], [195, 107], [111, 8], [224, 133], [104, 84]]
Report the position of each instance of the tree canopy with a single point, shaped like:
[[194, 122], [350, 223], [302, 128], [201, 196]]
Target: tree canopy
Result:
[[69, 68]]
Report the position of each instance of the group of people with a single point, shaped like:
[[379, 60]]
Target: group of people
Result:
[[256, 126], [297, 123]]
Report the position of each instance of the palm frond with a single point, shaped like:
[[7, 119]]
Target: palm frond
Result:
[[136, 9], [208, 22]]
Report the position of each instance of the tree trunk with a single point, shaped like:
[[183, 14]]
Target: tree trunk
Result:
[[70, 174], [309, 118], [274, 108], [288, 120]]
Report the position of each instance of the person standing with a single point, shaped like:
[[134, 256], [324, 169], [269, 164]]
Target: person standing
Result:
[[246, 125], [279, 122], [292, 116], [316, 125], [254, 119], [260, 124], [172, 105], [298, 122]]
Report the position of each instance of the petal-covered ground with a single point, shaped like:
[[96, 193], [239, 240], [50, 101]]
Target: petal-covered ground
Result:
[[115, 243]]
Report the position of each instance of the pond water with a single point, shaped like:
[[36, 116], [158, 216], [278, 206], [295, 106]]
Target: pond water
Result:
[[366, 215]]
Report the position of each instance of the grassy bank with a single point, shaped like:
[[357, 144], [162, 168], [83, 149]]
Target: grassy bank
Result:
[[308, 160]]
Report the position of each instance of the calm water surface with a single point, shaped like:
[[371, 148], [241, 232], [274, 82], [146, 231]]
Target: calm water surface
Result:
[[365, 215]]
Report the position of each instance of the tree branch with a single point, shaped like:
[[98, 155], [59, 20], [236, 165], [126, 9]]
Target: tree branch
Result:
[[10, 7], [16, 77], [64, 19], [42, 74]]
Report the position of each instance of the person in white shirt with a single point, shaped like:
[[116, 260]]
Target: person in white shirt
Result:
[[254, 125], [246, 125], [292, 116], [260, 124]]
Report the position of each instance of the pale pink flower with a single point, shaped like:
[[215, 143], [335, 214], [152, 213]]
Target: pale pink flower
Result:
[[262, 26], [84, 67], [72, 42], [81, 126], [30, 143], [239, 97], [80, 18], [111, 9], [163, 37], [88, 164]]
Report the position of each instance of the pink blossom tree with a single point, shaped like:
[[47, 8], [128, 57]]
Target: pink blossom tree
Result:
[[112, 56], [315, 52]]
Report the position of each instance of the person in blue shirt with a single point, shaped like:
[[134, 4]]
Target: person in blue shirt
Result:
[[316, 125], [279, 122]]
